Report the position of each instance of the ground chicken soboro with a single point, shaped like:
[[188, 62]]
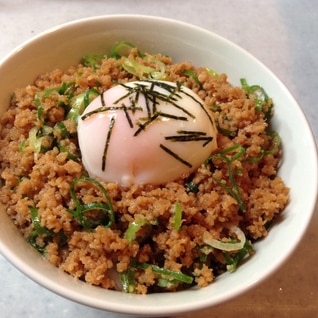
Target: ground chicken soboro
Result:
[[238, 186]]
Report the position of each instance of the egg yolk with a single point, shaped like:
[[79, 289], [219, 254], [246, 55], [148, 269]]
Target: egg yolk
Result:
[[145, 132]]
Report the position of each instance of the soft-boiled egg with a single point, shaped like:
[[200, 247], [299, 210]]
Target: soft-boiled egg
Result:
[[145, 132]]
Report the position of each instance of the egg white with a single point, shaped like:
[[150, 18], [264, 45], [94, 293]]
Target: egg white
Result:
[[141, 133]]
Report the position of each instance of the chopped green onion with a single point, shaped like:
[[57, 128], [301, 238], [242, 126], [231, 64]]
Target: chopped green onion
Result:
[[92, 60], [205, 250], [233, 261], [133, 228], [40, 113], [120, 49], [178, 276], [258, 94], [127, 278], [239, 148], [46, 130], [70, 155], [256, 159], [169, 278], [167, 283], [177, 216], [60, 130], [106, 209], [275, 143], [38, 230], [234, 191], [194, 76], [215, 107], [213, 73], [143, 71], [64, 89], [34, 141], [226, 132], [22, 146], [275, 146], [261, 95], [41, 139], [203, 258], [80, 102], [37, 101]]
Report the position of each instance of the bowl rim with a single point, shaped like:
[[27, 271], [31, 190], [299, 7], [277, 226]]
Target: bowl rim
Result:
[[173, 309]]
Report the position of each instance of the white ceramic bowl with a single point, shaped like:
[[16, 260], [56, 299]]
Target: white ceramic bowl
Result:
[[64, 46]]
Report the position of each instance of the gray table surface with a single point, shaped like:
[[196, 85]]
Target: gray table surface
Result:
[[283, 34]]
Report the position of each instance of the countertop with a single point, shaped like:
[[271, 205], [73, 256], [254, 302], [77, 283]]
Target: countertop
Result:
[[283, 34]]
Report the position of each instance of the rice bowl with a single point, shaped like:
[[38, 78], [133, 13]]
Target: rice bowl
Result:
[[219, 56]]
